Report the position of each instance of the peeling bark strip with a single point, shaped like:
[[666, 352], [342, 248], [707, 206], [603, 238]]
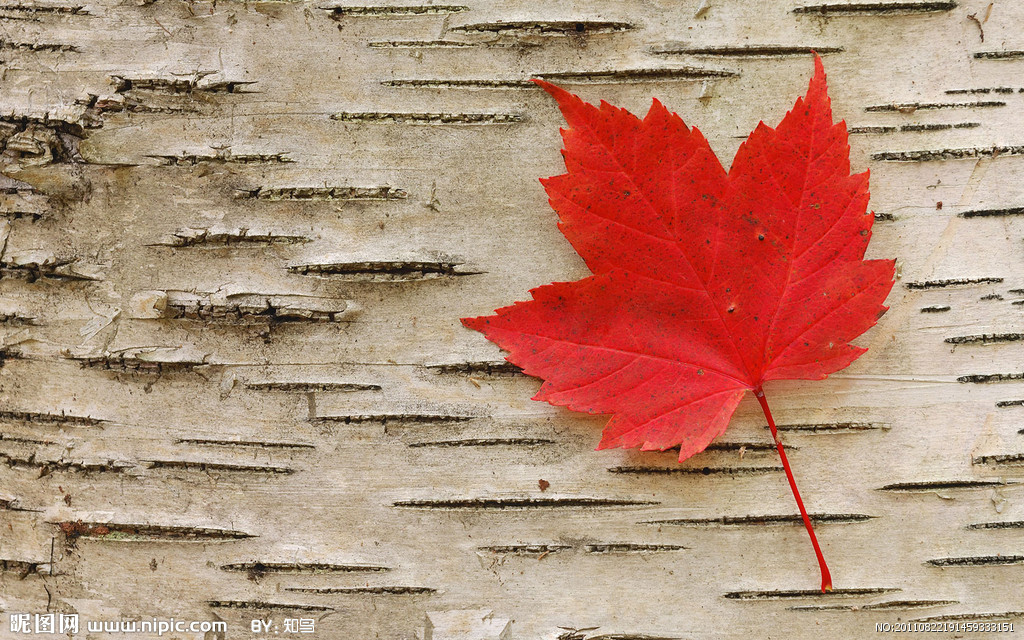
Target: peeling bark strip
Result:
[[910, 107], [34, 268], [986, 338], [322, 193], [944, 485], [260, 568], [394, 10], [992, 213], [428, 118], [743, 51], [976, 561], [877, 8], [932, 155], [522, 503], [814, 594], [23, 568], [23, 203], [133, 361], [760, 521], [696, 471], [125, 531], [982, 378], [951, 282], [548, 28]]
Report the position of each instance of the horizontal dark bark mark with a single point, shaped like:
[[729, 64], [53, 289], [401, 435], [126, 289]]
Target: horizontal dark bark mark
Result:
[[246, 443], [983, 378], [59, 269], [833, 427], [221, 157], [983, 90], [18, 320], [936, 308], [123, 84], [191, 465], [390, 590], [1010, 403], [119, 362], [23, 440], [485, 442], [261, 568], [46, 467], [619, 636], [1006, 524], [345, 193], [28, 8], [999, 55], [697, 471], [521, 503], [877, 8], [915, 128], [910, 107], [760, 521], [889, 605], [975, 561], [969, 617], [260, 604], [744, 51], [934, 155], [312, 387], [884, 217], [637, 75], [428, 118], [986, 338], [460, 83], [526, 549], [60, 419], [449, 44], [991, 296], [395, 418], [942, 485], [808, 593], [545, 28], [14, 504], [624, 547], [394, 10], [759, 447], [481, 368], [128, 531], [385, 270], [12, 45], [1014, 459], [951, 282], [23, 568], [992, 213], [241, 237], [258, 308]]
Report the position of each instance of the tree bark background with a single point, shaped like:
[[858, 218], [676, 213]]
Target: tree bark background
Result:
[[237, 242]]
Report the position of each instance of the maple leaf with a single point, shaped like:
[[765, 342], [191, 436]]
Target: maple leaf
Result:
[[706, 284]]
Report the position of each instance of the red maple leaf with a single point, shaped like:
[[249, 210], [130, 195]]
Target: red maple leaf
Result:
[[706, 284]]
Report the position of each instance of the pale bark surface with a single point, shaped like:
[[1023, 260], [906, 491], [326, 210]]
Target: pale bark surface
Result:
[[238, 239]]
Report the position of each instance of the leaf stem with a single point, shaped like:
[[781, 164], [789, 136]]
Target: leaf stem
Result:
[[826, 577]]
